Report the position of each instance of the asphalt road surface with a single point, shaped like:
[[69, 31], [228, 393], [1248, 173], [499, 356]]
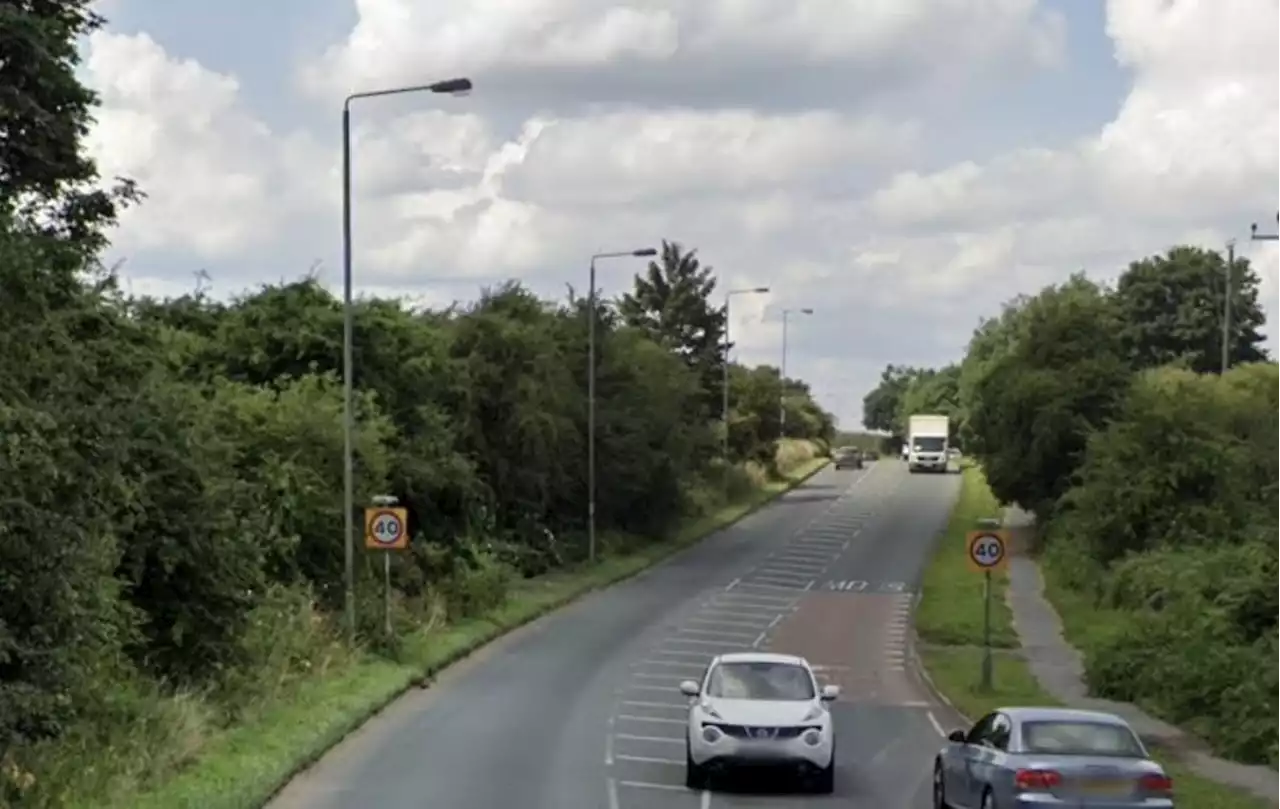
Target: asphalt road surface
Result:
[[581, 710]]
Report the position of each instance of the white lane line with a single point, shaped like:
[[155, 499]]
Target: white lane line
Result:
[[608, 745], [721, 622], [845, 546], [705, 803], [798, 571], [702, 642], [732, 584], [783, 577], [762, 604], [710, 633], [783, 564], [613, 794], [742, 599], [636, 703], [648, 785], [666, 689], [795, 550], [755, 644], [675, 664], [742, 612], [777, 620], [782, 561], [819, 542], [771, 587], [809, 586], [631, 737], [652, 760], [933, 720], [667, 676], [660, 720], [703, 656]]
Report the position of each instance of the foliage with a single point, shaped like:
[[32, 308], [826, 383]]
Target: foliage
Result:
[[1153, 477], [170, 533], [881, 407]]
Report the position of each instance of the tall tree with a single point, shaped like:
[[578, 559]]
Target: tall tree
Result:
[[1171, 310], [880, 406], [1034, 409], [671, 303], [45, 176]]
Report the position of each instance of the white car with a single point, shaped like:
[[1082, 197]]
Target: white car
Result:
[[756, 709]]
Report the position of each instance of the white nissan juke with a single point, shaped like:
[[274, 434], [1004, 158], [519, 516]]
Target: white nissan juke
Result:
[[756, 710]]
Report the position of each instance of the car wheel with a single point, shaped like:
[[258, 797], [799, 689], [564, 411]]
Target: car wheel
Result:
[[939, 788], [695, 775]]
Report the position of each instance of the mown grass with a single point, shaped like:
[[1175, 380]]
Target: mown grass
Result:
[[954, 667], [950, 611], [244, 766]]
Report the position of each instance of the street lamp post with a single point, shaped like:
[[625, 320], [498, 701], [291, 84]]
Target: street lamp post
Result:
[[450, 86], [782, 376], [591, 390], [724, 404], [1230, 266]]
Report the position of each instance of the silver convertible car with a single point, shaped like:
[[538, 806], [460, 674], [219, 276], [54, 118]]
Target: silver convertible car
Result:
[[1048, 758]]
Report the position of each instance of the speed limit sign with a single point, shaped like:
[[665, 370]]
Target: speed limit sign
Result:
[[386, 528], [986, 550]]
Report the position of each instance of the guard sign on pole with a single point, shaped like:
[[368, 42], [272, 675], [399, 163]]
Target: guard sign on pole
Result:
[[386, 528], [986, 550]]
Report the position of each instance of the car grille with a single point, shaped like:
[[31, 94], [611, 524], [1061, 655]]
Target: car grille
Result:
[[759, 732]]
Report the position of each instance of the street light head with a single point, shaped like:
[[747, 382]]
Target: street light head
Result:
[[644, 252], [451, 86], [760, 290], [1253, 229], [806, 311]]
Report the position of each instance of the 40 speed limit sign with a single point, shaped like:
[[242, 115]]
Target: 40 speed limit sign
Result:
[[386, 528], [987, 550]]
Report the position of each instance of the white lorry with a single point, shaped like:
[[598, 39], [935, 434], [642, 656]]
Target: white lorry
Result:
[[927, 443]]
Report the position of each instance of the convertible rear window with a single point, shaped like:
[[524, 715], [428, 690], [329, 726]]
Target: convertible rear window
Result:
[[1080, 739]]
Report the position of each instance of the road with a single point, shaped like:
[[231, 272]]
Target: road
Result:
[[581, 709]]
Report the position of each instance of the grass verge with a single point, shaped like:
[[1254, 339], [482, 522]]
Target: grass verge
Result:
[[950, 611], [954, 665], [246, 765]]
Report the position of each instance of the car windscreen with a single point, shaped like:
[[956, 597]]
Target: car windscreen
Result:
[[1074, 738], [929, 443], [760, 680]]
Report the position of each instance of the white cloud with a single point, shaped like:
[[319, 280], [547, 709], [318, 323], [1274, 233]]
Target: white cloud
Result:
[[679, 47], [829, 205], [217, 180]]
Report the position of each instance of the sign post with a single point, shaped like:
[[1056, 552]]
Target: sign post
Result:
[[386, 529], [985, 550]]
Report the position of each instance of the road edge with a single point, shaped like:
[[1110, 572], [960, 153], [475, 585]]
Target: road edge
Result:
[[454, 660]]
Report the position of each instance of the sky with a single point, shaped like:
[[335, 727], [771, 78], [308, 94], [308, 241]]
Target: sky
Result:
[[901, 168]]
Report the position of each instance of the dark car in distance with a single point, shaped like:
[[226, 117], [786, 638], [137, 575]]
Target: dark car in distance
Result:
[[848, 458]]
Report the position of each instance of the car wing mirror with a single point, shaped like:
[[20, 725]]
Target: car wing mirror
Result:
[[957, 736], [830, 693], [689, 688]]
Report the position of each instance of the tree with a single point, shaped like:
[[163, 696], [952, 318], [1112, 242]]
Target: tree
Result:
[[671, 303], [881, 406], [1171, 307], [45, 111], [1033, 411], [931, 391]]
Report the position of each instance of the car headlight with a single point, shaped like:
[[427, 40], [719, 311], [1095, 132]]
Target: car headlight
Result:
[[812, 738], [711, 734]]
